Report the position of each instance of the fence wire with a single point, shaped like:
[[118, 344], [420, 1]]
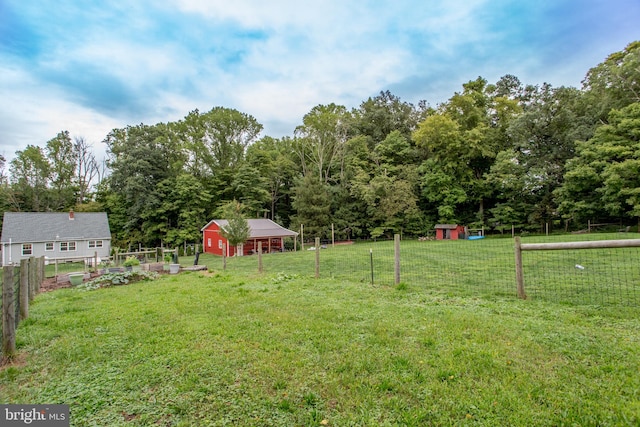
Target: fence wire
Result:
[[474, 267], [16, 298]]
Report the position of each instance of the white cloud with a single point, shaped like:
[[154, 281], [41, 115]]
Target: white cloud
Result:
[[121, 63]]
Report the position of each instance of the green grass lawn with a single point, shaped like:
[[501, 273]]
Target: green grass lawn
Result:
[[284, 349]]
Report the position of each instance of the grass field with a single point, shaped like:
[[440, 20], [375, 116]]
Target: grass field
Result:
[[225, 348]]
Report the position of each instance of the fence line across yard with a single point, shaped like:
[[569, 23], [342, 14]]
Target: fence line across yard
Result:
[[606, 274]]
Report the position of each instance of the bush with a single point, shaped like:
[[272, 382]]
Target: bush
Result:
[[131, 261], [116, 279]]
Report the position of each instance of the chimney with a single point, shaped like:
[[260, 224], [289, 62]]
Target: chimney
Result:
[[71, 215]]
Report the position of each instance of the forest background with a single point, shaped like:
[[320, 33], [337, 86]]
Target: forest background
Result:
[[495, 155]]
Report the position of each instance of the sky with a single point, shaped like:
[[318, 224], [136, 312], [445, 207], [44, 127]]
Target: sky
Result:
[[89, 67]]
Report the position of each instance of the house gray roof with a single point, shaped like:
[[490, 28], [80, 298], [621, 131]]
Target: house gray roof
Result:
[[29, 227], [259, 228]]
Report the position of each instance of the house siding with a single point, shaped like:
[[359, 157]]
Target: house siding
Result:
[[12, 253]]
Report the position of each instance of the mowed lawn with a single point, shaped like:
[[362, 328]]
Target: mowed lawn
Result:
[[221, 348]]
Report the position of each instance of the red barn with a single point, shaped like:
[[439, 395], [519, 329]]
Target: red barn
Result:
[[260, 230], [450, 232]]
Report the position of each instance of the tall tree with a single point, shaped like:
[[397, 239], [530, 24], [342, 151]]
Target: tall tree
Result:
[[217, 140], [274, 159], [312, 204], [30, 173], [189, 203], [251, 189], [604, 177], [320, 142], [140, 158], [63, 160], [613, 84], [377, 117], [87, 171], [388, 184], [544, 136]]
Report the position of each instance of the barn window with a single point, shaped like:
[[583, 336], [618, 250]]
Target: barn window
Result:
[[219, 244], [209, 242], [27, 249]]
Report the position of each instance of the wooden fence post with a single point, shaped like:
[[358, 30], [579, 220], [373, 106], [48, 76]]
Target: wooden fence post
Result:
[[333, 237], [39, 273], [302, 237], [8, 314], [396, 252], [317, 257], [519, 271], [24, 289], [32, 278], [224, 256], [260, 257]]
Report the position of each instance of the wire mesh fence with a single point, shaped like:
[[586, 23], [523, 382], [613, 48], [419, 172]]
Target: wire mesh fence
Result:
[[473, 267], [598, 275], [9, 308]]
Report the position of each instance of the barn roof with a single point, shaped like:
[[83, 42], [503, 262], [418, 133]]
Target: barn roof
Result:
[[22, 227], [259, 228]]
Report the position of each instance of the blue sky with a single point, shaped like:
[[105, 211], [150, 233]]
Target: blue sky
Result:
[[89, 67]]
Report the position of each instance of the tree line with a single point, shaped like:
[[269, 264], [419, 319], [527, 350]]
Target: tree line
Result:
[[493, 155]]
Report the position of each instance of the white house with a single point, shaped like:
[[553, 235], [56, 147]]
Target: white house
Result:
[[54, 235]]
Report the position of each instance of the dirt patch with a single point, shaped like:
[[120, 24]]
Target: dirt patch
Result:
[[51, 283], [18, 361]]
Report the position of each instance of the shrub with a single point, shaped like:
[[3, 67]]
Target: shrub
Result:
[[117, 279], [131, 261]]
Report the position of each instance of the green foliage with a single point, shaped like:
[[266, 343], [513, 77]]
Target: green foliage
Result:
[[237, 229], [604, 178], [312, 203], [117, 279], [130, 261]]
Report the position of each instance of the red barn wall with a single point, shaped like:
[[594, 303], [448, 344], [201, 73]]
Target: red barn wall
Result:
[[213, 241]]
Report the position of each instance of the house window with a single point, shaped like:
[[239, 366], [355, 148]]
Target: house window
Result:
[[95, 244], [27, 249], [67, 246], [219, 244], [48, 246]]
